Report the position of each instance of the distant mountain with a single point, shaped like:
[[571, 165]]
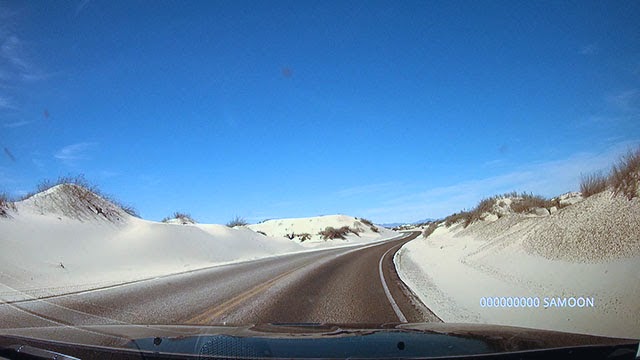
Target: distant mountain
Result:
[[423, 221], [392, 225]]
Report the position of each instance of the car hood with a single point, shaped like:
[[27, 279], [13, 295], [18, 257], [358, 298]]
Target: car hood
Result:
[[308, 340]]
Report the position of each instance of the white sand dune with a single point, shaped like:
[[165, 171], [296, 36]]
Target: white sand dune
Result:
[[66, 239], [588, 250], [313, 225]]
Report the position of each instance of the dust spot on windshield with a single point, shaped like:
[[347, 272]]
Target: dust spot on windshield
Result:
[[9, 154]]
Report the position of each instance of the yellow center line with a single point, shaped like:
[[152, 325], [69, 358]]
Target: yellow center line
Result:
[[227, 306]]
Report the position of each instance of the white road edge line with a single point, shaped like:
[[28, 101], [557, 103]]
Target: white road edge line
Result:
[[394, 305]]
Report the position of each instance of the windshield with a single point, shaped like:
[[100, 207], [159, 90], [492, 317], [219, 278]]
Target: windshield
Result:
[[239, 163]]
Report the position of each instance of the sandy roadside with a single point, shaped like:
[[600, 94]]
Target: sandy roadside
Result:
[[456, 272]]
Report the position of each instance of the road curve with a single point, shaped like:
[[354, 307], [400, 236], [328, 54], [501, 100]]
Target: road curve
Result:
[[345, 285]]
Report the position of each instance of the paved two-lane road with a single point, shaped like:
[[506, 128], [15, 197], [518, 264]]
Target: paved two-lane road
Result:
[[345, 285]]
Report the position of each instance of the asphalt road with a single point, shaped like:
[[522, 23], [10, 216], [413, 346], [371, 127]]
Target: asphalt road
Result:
[[346, 285]]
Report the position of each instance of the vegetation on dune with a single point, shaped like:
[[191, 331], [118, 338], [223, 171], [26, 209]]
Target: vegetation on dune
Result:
[[625, 175], [237, 221], [520, 203], [369, 223], [332, 233], [429, 230], [592, 184], [128, 209], [456, 218], [83, 194], [6, 205], [524, 203], [302, 237], [623, 179], [485, 205], [183, 217]]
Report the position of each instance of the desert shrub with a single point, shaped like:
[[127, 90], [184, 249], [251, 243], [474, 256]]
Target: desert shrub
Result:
[[592, 184], [125, 207], [333, 233], [528, 202], [237, 221], [78, 180], [522, 203], [485, 205], [6, 205], [429, 230], [304, 237], [625, 175], [183, 217], [370, 224], [456, 217], [81, 195], [81, 189], [128, 209]]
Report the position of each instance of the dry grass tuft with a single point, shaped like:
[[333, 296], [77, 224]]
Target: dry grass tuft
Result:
[[370, 224], [6, 205], [592, 184], [340, 233], [237, 221], [484, 206], [78, 198], [183, 217], [625, 175], [521, 203], [456, 218], [429, 230], [528, 202], [304, 237], [83, 192]]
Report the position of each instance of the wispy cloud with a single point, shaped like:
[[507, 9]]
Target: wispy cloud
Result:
[[75, 152], [5, 103], [15, 63], [16, 124], [626, 101], [11, 51], [367, 189], [81, 5], [620, 108], [549, 178], [494, 163], [589, 49], [6, 177]]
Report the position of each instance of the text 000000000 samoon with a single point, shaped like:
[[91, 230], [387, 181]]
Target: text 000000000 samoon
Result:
[[536, 302]]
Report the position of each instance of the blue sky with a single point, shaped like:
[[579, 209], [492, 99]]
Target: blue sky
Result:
[[395, 111]]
